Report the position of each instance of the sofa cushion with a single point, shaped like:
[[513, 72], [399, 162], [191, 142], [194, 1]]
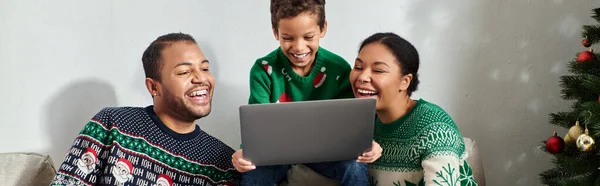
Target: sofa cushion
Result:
[[26, 169], [475, 161]]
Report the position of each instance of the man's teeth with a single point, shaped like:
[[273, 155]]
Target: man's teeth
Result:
[[199, 92], [300, 55], [366, 91]]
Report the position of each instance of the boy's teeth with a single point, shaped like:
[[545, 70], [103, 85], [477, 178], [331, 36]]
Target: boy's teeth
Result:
[[300, 55]]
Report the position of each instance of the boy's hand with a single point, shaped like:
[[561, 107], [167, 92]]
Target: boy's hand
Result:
[[371, 156], [240, 164]]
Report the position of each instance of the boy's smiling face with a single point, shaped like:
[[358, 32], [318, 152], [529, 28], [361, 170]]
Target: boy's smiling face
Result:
[[299, 39]]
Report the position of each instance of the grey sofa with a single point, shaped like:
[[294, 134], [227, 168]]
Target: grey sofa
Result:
[[24, 169]]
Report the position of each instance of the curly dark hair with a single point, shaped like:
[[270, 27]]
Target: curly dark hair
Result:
[[281, 9]]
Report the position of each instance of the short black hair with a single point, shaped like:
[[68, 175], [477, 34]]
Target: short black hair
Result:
[[152, 57], [406, 54], [281, 9]]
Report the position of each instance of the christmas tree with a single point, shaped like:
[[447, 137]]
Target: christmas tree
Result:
[[575, 154]]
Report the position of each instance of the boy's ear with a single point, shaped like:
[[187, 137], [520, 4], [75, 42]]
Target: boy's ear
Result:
[[275, 33], [324, 29]]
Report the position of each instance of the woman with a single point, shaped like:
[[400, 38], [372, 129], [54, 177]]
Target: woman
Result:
[[421, 143]]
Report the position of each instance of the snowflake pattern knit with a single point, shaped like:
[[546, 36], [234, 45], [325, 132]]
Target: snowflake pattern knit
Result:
[[424, 147]]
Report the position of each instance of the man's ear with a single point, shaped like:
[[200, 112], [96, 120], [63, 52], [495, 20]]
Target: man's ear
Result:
[[153, 87], [405, 82]]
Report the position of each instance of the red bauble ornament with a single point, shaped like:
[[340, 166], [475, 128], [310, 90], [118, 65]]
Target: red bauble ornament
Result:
[[555, 144], [585, 42], [585, 56]]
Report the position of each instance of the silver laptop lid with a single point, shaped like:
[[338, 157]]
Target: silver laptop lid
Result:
[[308, 131]]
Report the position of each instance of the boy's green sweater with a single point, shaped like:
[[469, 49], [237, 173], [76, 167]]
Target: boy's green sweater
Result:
[[272, 80]]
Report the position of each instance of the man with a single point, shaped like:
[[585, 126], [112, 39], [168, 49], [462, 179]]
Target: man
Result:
[[159, 144]]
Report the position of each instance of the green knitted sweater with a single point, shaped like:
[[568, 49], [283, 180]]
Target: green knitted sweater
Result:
[[423, 147]]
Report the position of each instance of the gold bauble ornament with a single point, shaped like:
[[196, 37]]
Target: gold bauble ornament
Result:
[[575, 131], [568, 140], [585, 142]]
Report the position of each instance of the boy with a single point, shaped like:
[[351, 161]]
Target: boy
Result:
[[300, 70]]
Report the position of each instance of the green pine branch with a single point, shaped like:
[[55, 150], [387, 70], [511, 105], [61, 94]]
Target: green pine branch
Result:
[[570, 84], [577, 164], [592, 32], [593, 123], [553, 176], [590, 67], [591, 83], [597, 182], [586, 179], [580, 112], [573, 167], [573, 89], [563, 119], [596, 15], [570, 171], [581, 180]]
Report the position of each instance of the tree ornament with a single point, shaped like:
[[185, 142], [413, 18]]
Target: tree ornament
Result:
[[585, 143], [574, 132], [555, 144], [585, 42], [568, 140], [586, 56]]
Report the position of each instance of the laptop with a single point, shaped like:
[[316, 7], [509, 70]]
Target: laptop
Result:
[[307, 131]]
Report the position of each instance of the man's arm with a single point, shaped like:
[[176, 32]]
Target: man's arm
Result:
[[86, 157]]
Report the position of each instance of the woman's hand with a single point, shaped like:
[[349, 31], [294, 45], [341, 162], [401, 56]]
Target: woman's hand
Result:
[[371, 156], [240, 164]]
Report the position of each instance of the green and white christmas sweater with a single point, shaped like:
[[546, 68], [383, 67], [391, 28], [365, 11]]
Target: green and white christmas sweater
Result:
[[423, 147], [123, 146], [272, 79]]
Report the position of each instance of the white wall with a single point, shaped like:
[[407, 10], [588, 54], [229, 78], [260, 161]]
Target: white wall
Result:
[[493, 65]]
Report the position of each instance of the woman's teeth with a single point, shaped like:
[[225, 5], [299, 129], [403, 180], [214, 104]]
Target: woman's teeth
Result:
[[367, 92]]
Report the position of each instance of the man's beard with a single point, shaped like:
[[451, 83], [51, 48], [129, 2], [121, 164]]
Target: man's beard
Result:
[[184, 108]]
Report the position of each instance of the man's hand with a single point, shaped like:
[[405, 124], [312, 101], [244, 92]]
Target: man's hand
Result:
[[371, 156], [240, 164]]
